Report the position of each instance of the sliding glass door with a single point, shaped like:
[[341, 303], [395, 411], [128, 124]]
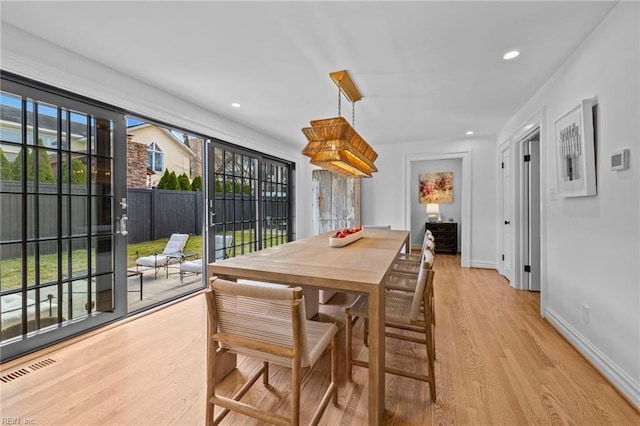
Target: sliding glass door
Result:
[[249, 201], [60, 217]]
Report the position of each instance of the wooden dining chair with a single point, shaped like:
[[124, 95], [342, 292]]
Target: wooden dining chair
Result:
[[402, 312], [269, 324], [415, 257], [406, 263], [404, 260], [407, 279]]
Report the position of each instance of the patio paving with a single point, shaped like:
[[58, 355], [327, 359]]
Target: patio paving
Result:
[[160, 288]]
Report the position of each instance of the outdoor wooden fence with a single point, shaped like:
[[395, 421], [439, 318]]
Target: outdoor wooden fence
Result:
[[152, 214]]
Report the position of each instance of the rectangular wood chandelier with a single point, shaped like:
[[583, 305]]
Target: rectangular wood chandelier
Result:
[[334, 144]]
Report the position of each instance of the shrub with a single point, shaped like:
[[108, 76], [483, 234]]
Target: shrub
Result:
[[162, 183], [6, 170], [183, 182], [45, 172], [196, 184], [172, 182], [78, 172]]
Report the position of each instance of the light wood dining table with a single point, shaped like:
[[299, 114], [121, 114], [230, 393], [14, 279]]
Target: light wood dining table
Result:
[[359, 267]]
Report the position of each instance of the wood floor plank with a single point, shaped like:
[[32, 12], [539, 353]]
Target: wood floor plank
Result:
[[497, 363]]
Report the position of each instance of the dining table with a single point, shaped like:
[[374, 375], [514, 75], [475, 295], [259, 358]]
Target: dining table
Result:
[[359, 267]]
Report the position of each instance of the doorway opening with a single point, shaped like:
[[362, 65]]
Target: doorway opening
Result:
[[520, 212], [465, 181]]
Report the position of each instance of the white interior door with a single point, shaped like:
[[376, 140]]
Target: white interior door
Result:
[[530, 213]]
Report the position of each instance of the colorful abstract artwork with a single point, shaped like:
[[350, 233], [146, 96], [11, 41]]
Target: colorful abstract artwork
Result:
[[436, 188]]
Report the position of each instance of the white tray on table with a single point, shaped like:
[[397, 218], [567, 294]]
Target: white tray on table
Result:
[[341, 242]]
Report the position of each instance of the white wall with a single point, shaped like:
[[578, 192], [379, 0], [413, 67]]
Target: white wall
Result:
[[384, 197], [591, 244]]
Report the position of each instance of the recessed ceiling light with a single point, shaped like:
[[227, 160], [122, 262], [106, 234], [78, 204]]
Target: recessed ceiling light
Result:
[[511, 55], [236, 105], [470, 132]]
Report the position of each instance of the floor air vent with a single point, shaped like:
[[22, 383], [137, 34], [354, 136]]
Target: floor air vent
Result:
[[24, 371], [15, 375], [43, 363]]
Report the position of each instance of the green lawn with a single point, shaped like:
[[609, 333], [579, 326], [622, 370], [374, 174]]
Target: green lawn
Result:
[[11, 269]]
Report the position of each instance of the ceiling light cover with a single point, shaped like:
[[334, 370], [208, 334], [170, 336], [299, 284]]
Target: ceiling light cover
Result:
[[336, 146], [338, 128], [511, 55]]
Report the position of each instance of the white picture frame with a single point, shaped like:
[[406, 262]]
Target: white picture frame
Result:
[[575, 152]]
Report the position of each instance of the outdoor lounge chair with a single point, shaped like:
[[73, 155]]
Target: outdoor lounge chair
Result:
[[172, 253], [190, 267], [223, 244]]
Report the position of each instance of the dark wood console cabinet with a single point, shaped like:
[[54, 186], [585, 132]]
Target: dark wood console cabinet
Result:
[[445, 235]]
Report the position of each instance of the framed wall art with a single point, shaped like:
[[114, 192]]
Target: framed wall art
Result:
[[435, 188], [576, 152]]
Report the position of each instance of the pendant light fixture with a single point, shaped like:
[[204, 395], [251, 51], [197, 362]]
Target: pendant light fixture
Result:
[[334, 144]]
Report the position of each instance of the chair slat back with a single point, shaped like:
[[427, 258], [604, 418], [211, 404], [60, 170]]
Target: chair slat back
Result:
[[254, 319]]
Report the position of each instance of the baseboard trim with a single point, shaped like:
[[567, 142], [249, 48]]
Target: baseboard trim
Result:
[[483, 265], [619, 379]]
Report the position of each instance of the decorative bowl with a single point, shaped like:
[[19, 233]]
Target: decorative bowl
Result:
[[341, 242]]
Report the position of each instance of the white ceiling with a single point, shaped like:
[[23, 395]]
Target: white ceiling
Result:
[[426, 70]]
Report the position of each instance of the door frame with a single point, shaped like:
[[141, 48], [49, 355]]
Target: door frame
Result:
[[536, 123], [506, 146], [520, 282], [465, 156]]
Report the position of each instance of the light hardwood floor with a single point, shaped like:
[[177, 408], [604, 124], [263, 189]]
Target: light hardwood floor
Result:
[[497, 362]]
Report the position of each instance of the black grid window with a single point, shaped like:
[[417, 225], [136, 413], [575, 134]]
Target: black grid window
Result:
[[252, 201], [275, 203]]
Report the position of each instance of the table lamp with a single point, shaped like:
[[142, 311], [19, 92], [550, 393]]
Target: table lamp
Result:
[[433, 212]]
